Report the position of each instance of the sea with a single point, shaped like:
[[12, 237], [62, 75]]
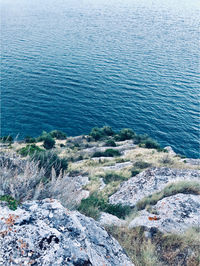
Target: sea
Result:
[[72, 65]]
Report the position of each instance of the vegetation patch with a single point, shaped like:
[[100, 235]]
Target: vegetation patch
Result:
[[48, 160], [107, 153], [110, 143], [161, 249], [29, 139], [57, 134], [6, 139], [12, 203], [94, 204], [29, 150], [125, 134], [110, 177], [141, 164], [185, 187], [101, 133]]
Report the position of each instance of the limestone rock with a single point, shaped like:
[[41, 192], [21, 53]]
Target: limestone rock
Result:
[[175, 214], [148, 182], [109, 219], [45, 233]]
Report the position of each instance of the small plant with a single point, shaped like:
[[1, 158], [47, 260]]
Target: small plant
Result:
[[6, 139], [49, 142], [141, 164], [12, 203], [109, 177], [110, 143], [107, 153], [134, 172], [29, 139], [58, 134], [108, 131], [94, 204], [29, 150], [151, 144], [96, 133]]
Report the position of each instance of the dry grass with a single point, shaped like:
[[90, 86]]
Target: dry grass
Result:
[[161, 249]]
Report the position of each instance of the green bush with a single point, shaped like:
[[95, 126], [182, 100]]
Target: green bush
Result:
[[107, 153], [110, 143], [141, 164], [29, 139], [134, 172], [48, 160], [96, 133], [151, 144], [7, 138], [109, 177], [101, 133], [12, 203], [29, 150], [58, 134], [140, 138], [108, 131], [94, 204], [49, 142], [42, 137], [125, 134]]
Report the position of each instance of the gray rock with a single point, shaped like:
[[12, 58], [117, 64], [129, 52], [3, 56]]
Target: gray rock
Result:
[[191, 161], [175, 214], [148, 182], [45, 233], [170, 150], [117, 166], [109, 219]]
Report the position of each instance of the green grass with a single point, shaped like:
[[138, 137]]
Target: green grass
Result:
[[29, 150], [110, 177], [185, 187], [12, 203], [94, 204]]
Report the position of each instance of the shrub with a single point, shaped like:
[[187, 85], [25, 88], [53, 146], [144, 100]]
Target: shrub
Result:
[[151, 144], [49, 142], [48, 160], [134, 172], [96, 133], [125, 134], [29, 139], [108, 131], [109, 177], [42, 137], [29, 150], [107, 153], [12, 203], [58, 134], [94, 204], [7, 138], [140, 138], [110, 143], [141, 164]]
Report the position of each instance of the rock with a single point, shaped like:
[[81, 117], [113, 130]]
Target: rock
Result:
[[109, 219], [175, 214], [148, 182], [45, 233], [191, 161], [117, 166], [170, 150]]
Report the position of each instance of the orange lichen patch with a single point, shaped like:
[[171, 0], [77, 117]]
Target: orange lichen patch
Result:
[[11, 219], [154, 218]]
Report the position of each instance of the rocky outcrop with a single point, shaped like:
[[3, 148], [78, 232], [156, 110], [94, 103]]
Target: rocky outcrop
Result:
[[45, 233], [148, 182], [173, 214], [109, 219]]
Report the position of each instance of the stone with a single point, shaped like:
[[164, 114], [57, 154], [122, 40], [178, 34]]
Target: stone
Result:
[[46, 233], [175, 214], [148, 182], [109, 219]]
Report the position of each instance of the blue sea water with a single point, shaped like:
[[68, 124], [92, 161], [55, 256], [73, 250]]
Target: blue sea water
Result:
[[75, 64]]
